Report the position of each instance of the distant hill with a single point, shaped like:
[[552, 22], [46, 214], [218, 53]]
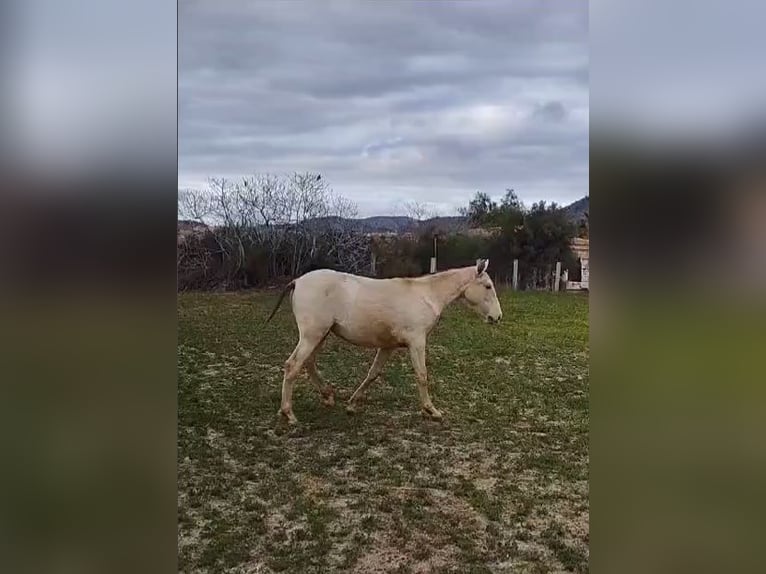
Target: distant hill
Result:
[[382, 223], [577, 210], [402, 224], [392, 223]]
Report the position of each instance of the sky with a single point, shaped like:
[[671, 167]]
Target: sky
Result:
[[687, 70], [389, 101]]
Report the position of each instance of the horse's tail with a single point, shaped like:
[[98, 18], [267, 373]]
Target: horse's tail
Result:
[[289, 287]]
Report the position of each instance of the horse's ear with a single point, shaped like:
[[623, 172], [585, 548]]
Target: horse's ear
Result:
[[481, 266]]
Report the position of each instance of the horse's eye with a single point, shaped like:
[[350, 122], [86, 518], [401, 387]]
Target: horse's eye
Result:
[[488, 286]]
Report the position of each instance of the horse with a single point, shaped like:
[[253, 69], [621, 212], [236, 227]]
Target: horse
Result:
[[385, 314]]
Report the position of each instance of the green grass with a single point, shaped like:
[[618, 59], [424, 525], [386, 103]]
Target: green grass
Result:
[[501, 485]]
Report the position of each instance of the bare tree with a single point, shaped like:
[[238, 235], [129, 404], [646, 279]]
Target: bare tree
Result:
[[194, 205], [287, 221], [346, 244], [343, 207], [309, 203], [192, 256], [230, 231], [419, 211]]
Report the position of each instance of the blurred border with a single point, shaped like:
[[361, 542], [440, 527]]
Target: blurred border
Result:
[[678, 240], [88, 284]]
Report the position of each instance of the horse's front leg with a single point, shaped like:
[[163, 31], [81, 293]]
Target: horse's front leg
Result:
[[418, 356]]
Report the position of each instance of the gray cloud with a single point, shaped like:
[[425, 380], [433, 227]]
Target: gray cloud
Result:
[[389, 101]]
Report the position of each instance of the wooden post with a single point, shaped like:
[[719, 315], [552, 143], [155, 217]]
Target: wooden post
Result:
[[585, 278], [373, 261], [433, 259], [515, 274], [557, 277]]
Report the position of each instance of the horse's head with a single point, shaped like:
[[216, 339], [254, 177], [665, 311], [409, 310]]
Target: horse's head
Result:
[[481, 296]]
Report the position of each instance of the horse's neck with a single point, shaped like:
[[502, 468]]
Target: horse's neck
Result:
[[447, 286]]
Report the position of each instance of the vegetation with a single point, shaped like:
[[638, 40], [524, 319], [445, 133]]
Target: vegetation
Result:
[[502, 485], [265, 229], [538, 237]]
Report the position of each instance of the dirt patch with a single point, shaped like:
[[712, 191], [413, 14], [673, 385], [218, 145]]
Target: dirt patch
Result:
[[380, 559]]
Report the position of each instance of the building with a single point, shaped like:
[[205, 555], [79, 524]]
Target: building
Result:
[[581, 248]]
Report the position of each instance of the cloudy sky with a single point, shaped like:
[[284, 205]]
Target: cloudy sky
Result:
[[389, 101]]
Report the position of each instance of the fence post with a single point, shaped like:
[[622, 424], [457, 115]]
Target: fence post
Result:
[[433, 259], [515, 274], [557, 278]]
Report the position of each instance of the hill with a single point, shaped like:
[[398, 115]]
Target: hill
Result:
[[577, 210], [403, 224], [392, 223]]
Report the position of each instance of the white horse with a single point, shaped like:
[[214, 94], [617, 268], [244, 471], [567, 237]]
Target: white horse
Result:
[[382, 313]]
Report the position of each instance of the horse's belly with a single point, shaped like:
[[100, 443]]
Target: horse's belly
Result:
[[372, 334]]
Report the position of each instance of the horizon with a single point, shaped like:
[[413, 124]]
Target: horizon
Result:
[[361, 216], [399, 208]]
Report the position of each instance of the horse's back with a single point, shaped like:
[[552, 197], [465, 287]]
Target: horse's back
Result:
[[323, 278], [334, 289], [321, 291], [331, 277]]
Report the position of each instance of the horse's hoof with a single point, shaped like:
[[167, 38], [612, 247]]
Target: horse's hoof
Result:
[[328, 401], [291, 419], [432, 413]]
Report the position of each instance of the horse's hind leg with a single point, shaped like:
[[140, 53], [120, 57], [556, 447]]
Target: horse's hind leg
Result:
[[377, 366], [326, 390], [293, 366]]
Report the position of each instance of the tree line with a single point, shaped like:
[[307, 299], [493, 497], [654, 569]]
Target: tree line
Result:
[[267, 228], [537, 236]]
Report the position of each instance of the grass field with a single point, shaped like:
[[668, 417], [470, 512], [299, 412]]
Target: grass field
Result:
[[500, 486]]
